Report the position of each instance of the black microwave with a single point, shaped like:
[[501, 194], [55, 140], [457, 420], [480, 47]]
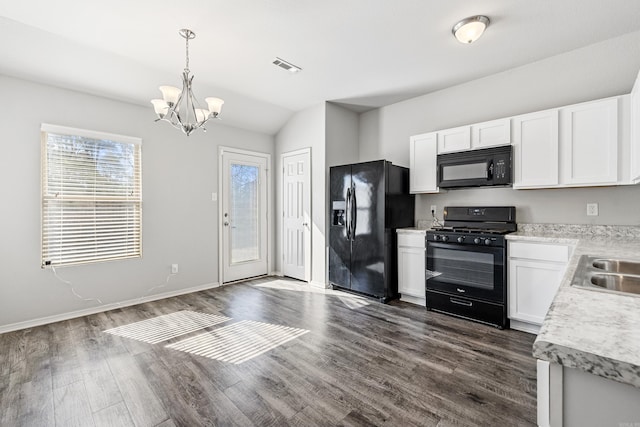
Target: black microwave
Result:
[[477, 168]]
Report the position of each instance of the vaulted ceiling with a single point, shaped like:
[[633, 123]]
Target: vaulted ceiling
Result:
[[361, 53]]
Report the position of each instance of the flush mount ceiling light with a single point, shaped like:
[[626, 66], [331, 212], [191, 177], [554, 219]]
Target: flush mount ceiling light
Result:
[[470, 29], [179, 107]]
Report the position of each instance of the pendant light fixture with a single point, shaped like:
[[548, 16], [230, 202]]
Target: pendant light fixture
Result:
[[470, 29], [180, 107]]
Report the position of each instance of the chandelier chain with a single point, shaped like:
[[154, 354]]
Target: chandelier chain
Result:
[[187, 55]]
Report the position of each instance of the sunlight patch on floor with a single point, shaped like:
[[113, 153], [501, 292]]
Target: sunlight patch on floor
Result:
[[167, 326], [238, 342], [351, 301]]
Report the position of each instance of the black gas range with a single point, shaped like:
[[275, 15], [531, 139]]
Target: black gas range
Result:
[[466, 263]]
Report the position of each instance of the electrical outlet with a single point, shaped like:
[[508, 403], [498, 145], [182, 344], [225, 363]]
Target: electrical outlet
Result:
[[174, 268], [434, 208], [592, 209], [214, 197]]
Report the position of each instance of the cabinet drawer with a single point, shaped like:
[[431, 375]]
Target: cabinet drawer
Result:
[[412, 240], [539, 251]]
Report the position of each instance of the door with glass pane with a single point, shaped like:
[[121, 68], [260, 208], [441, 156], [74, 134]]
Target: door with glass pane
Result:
[[244, 215]]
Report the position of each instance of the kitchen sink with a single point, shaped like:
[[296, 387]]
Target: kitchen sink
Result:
[[617, 266], [620, 276], [617, 282]]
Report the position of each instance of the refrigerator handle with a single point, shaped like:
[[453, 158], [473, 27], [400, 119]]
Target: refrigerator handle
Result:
[[353, 210], [348, 214]]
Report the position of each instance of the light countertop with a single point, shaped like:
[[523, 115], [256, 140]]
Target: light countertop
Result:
[[595, 331], [415, 230]]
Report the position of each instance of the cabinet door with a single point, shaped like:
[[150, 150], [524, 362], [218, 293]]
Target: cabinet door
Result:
[[535, 150], [411, 271], [589, 143], [532, 286], [422, 163], [491, 134], [635, 132], [456, 139]]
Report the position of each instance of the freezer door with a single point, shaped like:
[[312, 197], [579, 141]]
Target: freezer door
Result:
[[339, 241], [368, 246]]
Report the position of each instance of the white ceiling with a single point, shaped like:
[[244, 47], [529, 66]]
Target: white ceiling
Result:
[[360, 53]]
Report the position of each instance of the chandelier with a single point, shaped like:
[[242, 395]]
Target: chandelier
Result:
[[179, 107]]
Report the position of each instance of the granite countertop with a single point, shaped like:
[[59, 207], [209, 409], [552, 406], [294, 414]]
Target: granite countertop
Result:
[[595, 331]]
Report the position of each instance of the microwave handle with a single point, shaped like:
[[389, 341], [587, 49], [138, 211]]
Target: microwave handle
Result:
[[490, 171]]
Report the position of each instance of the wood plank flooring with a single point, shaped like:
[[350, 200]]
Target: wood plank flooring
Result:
[[361, 364]]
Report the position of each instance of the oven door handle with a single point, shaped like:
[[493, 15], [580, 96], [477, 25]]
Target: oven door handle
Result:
[[459, 302], [490, 171]]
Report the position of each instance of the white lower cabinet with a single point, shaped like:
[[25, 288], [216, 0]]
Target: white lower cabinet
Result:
[[569, 397], [535, 273], [635, 131], [411, 266]]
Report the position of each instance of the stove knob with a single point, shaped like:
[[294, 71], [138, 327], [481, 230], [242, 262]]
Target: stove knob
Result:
[[445, 238], [477, 240], [487, 242], [436, 237], [461, 239]]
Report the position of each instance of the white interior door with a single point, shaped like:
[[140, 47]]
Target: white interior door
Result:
[[244, 215], [296, 218]]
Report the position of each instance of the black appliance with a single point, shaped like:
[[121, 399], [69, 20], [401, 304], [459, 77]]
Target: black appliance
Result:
[[467, 263], [368, 201], [477, 168]]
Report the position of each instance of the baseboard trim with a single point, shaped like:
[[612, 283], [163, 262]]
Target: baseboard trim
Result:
[[524, 327], [100, 309], [276, 273], [320, 285], [413, 300]]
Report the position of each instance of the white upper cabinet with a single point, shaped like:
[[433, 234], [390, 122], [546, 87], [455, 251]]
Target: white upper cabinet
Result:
[[535, 150], [455, 139], [491, 134], [589, 143], [422, 163], [635, 131]]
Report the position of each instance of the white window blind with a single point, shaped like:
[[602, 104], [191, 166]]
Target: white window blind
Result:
[[91, 196]]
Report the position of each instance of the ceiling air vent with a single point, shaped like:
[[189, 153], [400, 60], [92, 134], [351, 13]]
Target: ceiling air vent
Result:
[[286, 65]]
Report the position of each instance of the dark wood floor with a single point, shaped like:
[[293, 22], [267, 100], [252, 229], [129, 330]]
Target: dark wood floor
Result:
[[361, 363]]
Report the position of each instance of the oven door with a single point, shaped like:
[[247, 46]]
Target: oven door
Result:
[[467, 270]]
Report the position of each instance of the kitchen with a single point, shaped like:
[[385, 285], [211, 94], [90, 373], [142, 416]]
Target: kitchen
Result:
[[336, 135]]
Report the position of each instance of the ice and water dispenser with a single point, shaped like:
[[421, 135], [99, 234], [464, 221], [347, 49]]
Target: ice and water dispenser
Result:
[[338, 216]]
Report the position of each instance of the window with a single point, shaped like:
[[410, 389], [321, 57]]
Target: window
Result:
[[91, 196]]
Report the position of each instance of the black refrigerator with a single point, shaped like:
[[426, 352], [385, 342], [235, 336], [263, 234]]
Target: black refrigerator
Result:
[[368, 202]]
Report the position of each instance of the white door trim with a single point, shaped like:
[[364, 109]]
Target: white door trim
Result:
[[308, 269], [221, 150]]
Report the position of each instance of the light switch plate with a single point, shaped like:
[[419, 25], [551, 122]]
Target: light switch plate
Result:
[[592, 209]]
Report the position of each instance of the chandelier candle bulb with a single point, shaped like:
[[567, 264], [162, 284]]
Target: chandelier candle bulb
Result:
[[170, 94], [215, 105], [160, 107]]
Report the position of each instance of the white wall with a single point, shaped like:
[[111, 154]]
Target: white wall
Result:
[[341, 136], [604, 69], [179, 219], [305, 129], [331, 131]]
